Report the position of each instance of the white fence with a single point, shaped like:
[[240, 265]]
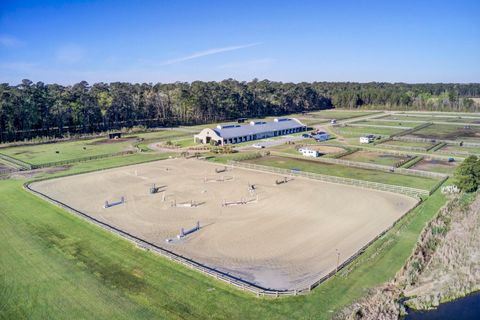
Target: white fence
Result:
[[366, 165], [348, 181], [417, 139]]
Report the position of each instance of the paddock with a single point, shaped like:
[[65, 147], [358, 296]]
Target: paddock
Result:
[[286, 239]]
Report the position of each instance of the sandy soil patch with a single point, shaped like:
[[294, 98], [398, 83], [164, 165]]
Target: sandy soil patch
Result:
[[285, 240], [435, 165]]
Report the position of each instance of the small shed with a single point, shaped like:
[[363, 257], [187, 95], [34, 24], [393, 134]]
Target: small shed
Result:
[[309, 152], [367, 139], [115, 135]]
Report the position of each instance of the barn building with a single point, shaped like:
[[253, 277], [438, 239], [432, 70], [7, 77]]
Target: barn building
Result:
[[321, 136], [235, 133]]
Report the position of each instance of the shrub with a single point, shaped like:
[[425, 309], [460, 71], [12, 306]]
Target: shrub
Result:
[[467, 174]]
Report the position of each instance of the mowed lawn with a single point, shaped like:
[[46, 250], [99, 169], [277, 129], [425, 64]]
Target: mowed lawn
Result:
[[55, 265], [347, 172], [407, 144], [406, 125], [357, 131], [45, 153], [339, 114], [471, 118]]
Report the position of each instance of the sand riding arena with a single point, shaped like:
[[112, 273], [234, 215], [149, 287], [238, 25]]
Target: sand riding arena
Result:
[[275, 232]]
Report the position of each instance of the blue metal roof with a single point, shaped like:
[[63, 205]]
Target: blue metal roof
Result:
[[232, 131]]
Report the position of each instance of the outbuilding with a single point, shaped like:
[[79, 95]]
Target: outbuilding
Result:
[[367, 139], [321, 136], [235, 133], [309, 152], [114, 135]]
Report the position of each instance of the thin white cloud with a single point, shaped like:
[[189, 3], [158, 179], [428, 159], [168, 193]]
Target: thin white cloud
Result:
[[208, 52], [70, 53], [10, 42]]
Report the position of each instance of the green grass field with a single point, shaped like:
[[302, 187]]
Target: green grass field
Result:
[[338, 114], [407, 144], [44, 153], [55, 265], [405, 125], [347, 172], [357, 131], [431, 117], [161, 135]]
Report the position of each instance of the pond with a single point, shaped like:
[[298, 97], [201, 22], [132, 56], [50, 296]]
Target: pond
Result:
[[467, 308]]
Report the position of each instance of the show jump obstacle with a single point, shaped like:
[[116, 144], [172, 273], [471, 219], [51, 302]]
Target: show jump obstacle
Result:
[[187, 204], [111, 204], [221, 179], [184, 233], [242, 201]]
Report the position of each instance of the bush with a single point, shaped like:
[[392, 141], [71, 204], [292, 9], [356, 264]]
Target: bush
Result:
[[467, 174]]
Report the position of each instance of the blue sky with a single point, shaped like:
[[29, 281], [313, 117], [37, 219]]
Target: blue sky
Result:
[[166, 41]]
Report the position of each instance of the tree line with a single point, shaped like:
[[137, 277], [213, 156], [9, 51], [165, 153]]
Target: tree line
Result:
[[30, 109]]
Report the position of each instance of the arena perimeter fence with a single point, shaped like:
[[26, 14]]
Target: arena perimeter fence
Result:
[[348, 181], [213, 272], [242, 284]]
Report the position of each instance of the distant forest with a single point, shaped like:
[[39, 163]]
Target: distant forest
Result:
[[31, 110]]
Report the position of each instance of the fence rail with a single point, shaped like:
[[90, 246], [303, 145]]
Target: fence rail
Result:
[[405, 132], [7, 171], [373, 166], [16, 162], [210, 271], [406, 148], [83, 159], [348, 181], [418, 139]]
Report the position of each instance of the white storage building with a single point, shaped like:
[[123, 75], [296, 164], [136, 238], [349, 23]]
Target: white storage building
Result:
[[309, 152]]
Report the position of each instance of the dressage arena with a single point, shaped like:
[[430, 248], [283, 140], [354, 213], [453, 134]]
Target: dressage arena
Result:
[[274, 232]]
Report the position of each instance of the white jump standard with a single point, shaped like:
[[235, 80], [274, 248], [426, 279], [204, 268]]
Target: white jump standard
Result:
[[111, 204]]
